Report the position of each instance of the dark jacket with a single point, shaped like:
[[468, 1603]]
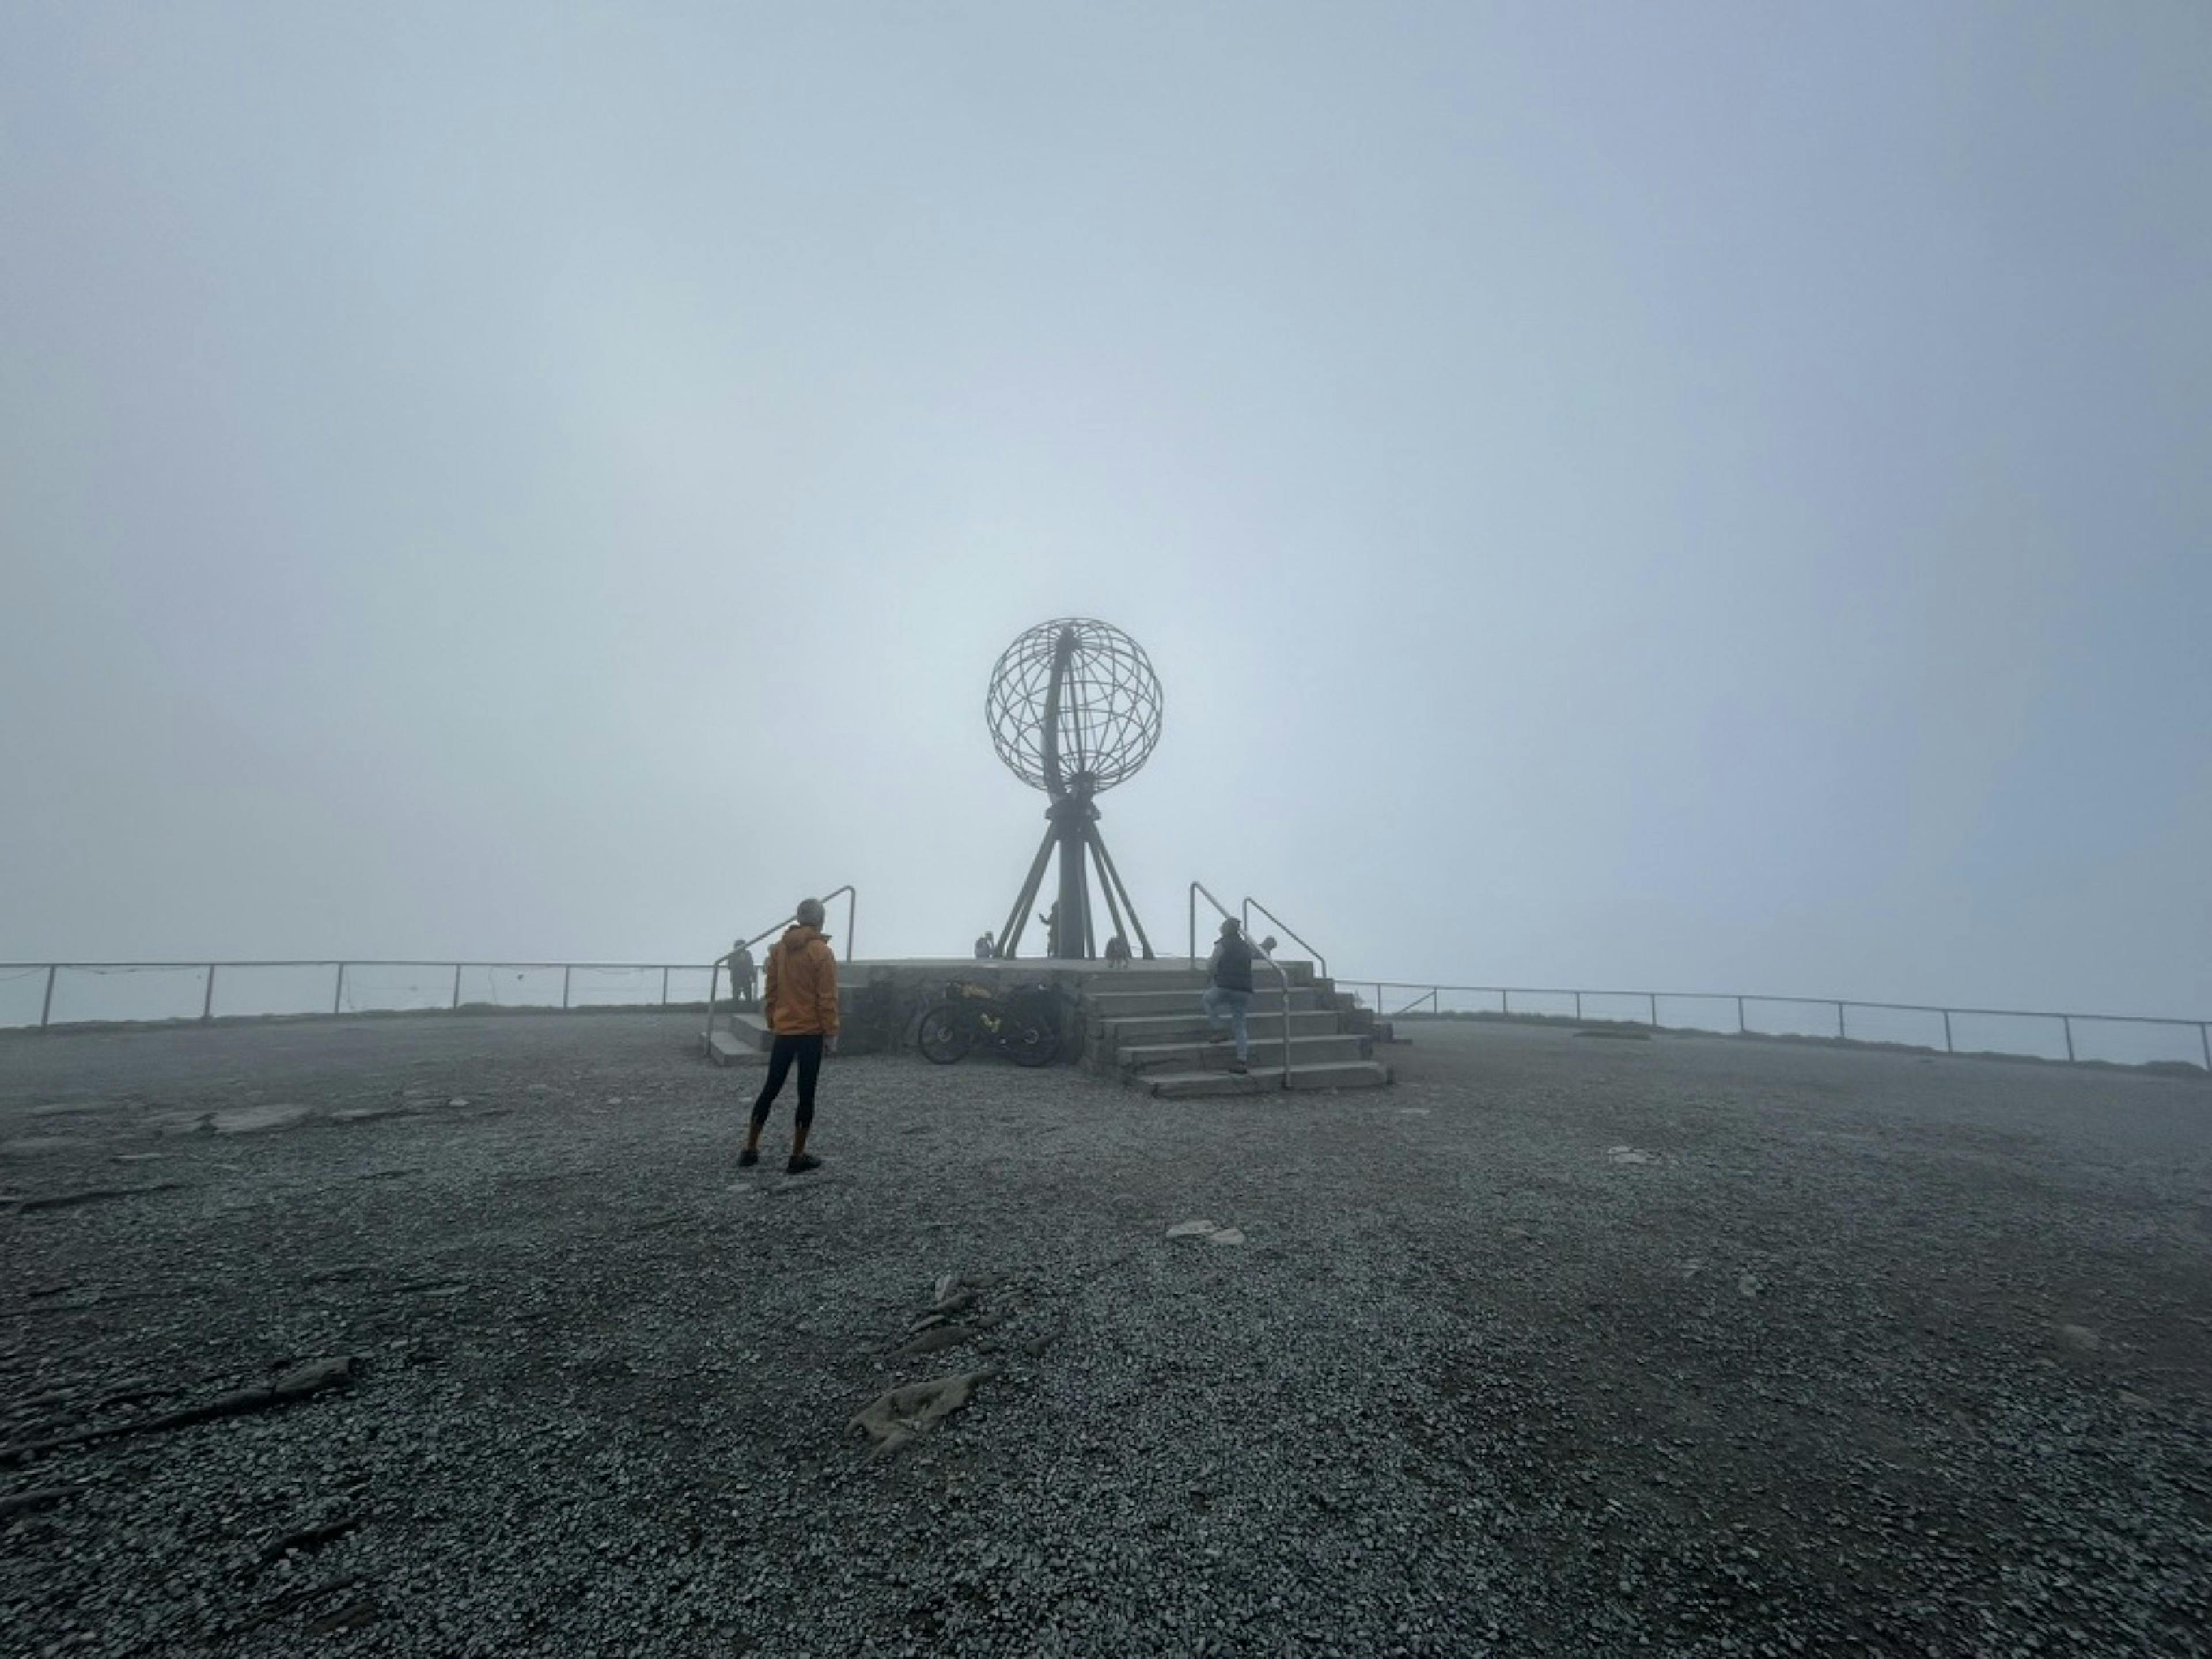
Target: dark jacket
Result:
[[1232, 964]]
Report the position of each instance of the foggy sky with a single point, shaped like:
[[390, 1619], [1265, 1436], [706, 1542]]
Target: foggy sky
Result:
[[1708, 496]]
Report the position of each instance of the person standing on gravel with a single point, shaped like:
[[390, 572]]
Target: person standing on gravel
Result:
[[1230, 996], [801, 999]]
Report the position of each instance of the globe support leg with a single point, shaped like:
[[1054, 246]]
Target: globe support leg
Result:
[[1110, 879], [1071, 932], [1010, 936], [1097, 849]]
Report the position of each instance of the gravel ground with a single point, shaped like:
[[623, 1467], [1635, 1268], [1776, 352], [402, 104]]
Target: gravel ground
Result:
[[1563, 1346]]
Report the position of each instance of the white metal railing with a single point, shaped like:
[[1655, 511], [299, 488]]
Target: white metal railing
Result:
[[352, 989], [1197, 888], [1426, 1000]]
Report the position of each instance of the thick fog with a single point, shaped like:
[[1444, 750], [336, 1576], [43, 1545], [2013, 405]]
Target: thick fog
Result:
[[1699, 497]]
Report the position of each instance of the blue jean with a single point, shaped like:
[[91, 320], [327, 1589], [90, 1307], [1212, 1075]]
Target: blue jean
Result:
[[1220, 997]]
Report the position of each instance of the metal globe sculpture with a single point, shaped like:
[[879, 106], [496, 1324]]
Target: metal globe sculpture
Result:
[[1074, 702], [1073, 709]]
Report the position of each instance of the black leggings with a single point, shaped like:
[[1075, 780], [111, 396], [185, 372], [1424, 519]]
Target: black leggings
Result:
[[807, 1050]]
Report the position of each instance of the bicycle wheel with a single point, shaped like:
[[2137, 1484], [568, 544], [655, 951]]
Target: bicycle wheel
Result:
[[1028, 1044], [944, 1035]]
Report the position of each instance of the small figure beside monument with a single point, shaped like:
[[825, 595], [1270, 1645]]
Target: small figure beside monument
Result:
[[802, 1013], [984, 951], [1117, 951]]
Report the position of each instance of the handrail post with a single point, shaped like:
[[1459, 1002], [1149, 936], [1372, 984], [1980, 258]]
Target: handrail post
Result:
[[457, 985], [2204, 1036], [207, 1002], [663, 988], [338, 995], [566, 969], [1740, 1026], [1578, 1005], [1652, 997], [1948, 1050], [2067, 1021], [1505, 1001], [713, 986], [47, 1007], [1839, 1022]]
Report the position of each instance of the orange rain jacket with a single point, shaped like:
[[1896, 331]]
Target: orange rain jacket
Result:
[[802, 984]]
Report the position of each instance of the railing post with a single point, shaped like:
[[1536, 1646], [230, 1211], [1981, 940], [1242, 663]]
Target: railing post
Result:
[[1505, 1004], [663, 988], [1839, 1022], [565, 972], [457, 985], [2204, 1036], [1740, 1028], [2067, 1021], [1653, 998], [1578, 1005], [337, 996], [47, 1007], [207, 1002], [1948, 1050]]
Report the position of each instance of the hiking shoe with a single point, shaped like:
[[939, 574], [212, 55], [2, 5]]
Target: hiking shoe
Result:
[[748, 1158], [802, 1164]]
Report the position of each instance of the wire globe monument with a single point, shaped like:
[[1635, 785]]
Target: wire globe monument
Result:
[[1074, 708]]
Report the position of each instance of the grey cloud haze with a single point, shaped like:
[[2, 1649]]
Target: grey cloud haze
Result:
[[1701, 495]]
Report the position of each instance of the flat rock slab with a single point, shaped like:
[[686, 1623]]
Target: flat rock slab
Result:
[[1190, 1230], [893, 1419], [252, 1119]]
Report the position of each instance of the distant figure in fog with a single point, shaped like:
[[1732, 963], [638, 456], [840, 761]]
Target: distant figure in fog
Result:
[[802, 1012], [983, 948], [742, 973], [1229, 998], [1117, 951]]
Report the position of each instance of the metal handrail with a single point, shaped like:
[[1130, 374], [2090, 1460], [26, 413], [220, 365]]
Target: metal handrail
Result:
[[713, 978], [1429, 991], [54, 969], [1252, 905], [1197, 887]]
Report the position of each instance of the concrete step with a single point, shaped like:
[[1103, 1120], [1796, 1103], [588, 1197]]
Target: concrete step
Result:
[[1103, 980], [1133, 1004], [739, 1035], [1201, 1056], [1147, 1029], [1341, 1074]]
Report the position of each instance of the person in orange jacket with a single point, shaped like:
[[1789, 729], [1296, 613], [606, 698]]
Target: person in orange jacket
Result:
[[801, 996]]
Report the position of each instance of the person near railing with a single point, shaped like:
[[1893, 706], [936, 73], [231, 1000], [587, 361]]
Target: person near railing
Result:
[[1228, 998], [802, 1012], [743, 972], [1117, 951], [984, 949]]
